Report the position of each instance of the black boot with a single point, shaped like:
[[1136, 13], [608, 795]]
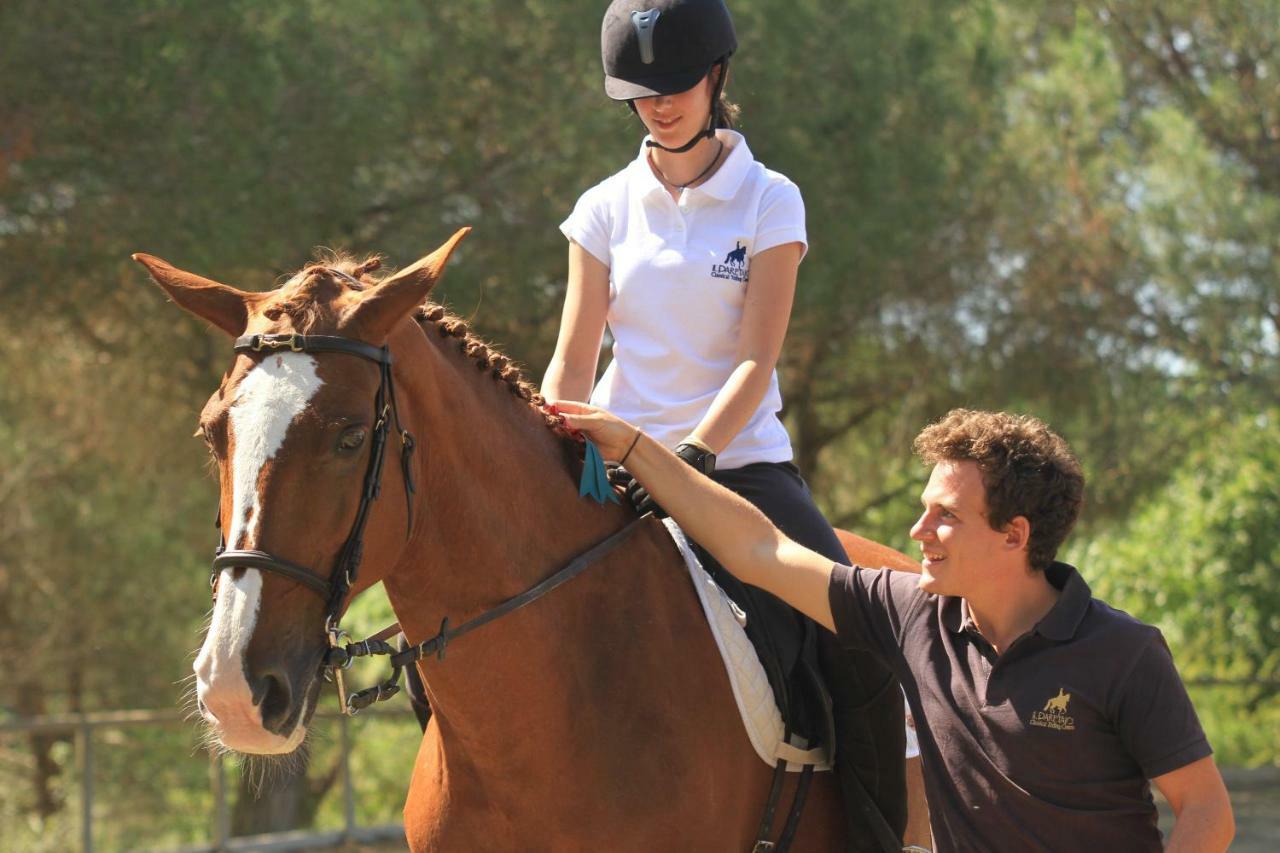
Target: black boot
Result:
[[870, 745]]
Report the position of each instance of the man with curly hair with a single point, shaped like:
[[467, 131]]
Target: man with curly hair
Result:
[[1043, 714]]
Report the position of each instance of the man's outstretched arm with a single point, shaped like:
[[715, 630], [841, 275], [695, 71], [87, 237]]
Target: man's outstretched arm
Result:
[[737, 534]]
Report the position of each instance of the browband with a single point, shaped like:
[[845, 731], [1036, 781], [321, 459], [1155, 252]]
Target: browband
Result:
[[311, 343]]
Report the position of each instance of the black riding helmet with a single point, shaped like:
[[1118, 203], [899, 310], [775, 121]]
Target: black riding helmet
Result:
[[664, 47]]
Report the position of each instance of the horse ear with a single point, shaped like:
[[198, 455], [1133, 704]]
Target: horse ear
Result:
[[384, 306], [223, 306]]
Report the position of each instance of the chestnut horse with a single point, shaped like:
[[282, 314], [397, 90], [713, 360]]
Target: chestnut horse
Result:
[[598, 718]]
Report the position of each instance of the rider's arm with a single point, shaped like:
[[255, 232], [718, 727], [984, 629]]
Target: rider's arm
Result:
[[735, 532], [770, 291], [572, 371]]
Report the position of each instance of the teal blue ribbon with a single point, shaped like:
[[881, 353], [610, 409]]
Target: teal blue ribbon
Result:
[[595, 479]]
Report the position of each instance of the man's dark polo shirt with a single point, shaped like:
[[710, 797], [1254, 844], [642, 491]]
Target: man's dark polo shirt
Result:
[[1050, 745]]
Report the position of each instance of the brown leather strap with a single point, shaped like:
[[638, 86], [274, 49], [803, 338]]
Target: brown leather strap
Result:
[[437, 644], [265, 561]]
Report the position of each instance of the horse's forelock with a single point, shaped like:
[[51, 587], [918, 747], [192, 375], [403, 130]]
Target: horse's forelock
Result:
[[311, 300], [360, 269]]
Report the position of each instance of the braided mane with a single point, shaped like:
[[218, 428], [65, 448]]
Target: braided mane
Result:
[[500, 367]]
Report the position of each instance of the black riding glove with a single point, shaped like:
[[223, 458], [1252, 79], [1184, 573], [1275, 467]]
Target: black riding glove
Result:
[[635, 493], [700, 460]]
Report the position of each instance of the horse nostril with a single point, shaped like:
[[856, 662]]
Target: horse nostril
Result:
[[277, 703]]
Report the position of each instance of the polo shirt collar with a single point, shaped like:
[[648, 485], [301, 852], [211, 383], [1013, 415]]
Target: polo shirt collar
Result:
[[1062, 621], [1059, 624], [643, 181], [955, 614], [723, 185]]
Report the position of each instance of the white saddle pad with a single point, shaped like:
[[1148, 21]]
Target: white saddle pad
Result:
[[751, 690]]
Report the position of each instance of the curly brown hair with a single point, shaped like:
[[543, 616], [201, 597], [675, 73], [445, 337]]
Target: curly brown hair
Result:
[[1027, 470]]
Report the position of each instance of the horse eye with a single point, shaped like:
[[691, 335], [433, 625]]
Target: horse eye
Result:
[[351, 438]]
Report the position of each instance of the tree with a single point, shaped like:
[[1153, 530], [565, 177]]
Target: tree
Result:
[[1067, 209], [1199, 560]]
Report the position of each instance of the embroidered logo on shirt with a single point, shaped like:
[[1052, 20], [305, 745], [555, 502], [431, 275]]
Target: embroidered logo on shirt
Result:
[[1054, 714], [734, 267]]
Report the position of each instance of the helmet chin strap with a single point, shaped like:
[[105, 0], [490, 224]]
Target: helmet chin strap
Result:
[[702, 134], [712, 123]]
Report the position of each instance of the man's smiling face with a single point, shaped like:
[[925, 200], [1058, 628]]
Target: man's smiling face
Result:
[[958, 547]]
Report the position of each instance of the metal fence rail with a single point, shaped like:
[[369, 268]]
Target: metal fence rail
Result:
[[83, 726]]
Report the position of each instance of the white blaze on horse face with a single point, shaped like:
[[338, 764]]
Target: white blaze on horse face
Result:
[[267, 402]]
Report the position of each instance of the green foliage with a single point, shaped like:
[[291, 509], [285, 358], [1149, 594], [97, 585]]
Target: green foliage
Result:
[[1064, 209], [144, 772], [1199, 560]]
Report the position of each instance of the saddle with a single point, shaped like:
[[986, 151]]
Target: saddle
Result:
[[792, 727], [788, 718]]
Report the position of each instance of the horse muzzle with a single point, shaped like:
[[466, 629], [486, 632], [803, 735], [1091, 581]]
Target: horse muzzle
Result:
[[261, 710]]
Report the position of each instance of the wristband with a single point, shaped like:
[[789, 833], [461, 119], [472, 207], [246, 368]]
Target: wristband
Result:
[[693, 440], [634, 442], [702, 461]]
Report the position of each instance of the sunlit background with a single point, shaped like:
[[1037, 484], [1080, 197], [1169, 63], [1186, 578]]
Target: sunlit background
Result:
[[1066, 209]]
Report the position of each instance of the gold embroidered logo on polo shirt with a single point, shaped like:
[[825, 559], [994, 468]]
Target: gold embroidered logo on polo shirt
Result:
[[1054, 714]]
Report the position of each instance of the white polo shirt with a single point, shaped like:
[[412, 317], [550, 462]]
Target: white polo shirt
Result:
[[678, 275]]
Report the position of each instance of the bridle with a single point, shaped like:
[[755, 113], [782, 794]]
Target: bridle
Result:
[[343, 576], [339, 655]]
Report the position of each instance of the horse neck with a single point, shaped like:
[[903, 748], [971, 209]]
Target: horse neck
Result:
[[512, 700], [499, 506]]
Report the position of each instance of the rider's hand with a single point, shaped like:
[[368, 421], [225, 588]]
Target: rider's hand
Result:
[[637, 495], [700, 460], [615, 438]]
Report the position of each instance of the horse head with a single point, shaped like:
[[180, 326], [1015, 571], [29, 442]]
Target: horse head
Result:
[[296, 436]]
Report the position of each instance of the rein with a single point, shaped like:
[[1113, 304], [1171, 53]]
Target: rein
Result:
[[339, 656]]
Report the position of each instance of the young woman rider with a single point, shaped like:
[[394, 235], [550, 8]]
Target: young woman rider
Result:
[[689, 255]]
